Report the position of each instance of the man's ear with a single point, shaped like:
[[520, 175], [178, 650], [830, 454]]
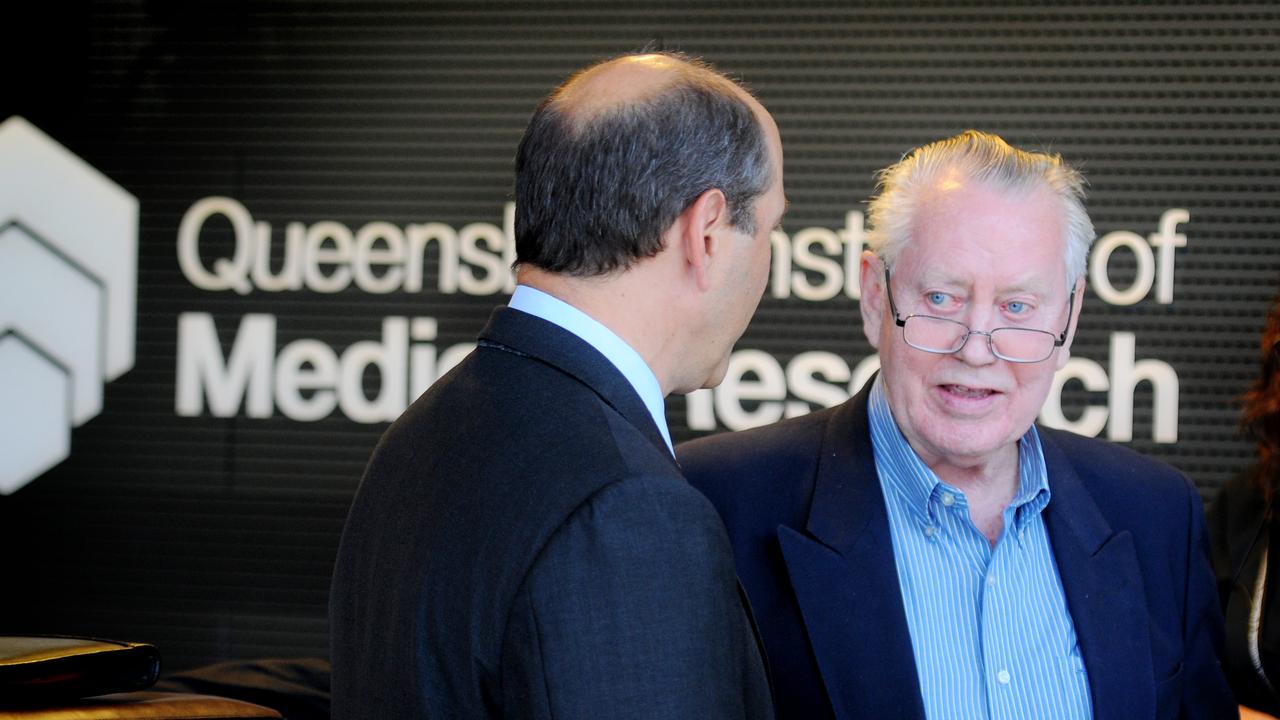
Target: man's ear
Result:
[[872, 302], [701, 229], [1077, 306]]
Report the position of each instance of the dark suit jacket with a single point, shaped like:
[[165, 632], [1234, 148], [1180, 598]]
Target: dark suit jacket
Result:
[[523, 545], [811, 538]]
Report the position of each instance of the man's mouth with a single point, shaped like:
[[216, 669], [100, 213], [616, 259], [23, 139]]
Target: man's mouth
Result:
[[971, 393]]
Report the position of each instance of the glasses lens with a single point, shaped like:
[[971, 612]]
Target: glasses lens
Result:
[[933, 334], [1022, 345]]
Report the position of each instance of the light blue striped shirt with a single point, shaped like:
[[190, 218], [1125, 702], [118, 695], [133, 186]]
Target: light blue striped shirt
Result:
[[989, 626], [615, 349]]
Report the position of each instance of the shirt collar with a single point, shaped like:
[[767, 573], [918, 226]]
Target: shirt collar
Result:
[[615, 349], [902, 470]]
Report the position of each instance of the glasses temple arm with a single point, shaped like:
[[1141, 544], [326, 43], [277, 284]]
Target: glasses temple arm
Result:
[[1071, 307]]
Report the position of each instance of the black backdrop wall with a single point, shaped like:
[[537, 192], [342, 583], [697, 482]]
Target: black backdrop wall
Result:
[[372, 143]]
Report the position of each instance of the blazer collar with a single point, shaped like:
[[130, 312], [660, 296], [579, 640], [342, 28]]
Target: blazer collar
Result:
[[1102, 581], [846, 494], [846, 582], [524, 334]]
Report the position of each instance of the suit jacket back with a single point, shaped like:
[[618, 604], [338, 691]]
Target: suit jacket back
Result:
[[523, 545]]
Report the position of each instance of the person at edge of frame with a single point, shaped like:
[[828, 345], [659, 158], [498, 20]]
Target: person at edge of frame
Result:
[[1242, 531]]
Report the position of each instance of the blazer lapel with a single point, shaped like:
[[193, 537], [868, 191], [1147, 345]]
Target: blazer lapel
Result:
[[846, 581], [549, 343], [1103, 585]]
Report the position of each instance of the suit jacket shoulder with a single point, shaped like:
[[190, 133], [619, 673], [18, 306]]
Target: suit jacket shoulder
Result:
[[1119, 478], [762, 477]]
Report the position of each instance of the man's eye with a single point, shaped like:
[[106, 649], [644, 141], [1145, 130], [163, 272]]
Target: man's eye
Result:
[[1016, 307], [936, 299]]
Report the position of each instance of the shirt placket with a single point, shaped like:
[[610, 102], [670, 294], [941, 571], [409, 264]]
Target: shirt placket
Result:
[[1001, 677], [977, 555]]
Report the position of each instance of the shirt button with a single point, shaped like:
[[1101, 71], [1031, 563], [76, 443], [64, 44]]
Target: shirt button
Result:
[[928, 531], [991, 580], [948, 499], [1022, 534], [1003, 677]]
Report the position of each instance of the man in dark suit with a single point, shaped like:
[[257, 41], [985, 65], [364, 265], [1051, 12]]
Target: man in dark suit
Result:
[[924, 550], [523, 544]]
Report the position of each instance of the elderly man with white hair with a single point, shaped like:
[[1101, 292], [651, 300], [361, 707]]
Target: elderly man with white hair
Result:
[[924, 549]]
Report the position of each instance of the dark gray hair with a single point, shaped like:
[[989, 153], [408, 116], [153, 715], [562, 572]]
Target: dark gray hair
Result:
[[985, 158], [595, 195]]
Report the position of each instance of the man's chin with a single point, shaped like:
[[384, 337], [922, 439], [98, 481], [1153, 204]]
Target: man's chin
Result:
[[709, 381], [962, 447], [717, 374]]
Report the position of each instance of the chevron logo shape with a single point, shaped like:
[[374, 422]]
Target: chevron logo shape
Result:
[[68, 289]]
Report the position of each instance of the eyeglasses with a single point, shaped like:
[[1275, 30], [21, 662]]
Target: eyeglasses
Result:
[[944, 337]]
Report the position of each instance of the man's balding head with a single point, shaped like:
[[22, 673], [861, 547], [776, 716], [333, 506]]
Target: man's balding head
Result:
[[621, 148], [631, 79]]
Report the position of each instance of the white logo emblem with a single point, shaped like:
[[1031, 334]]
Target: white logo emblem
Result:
[[68, 275]]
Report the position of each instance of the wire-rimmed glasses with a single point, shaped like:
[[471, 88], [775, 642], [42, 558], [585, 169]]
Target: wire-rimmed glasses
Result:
[[944, 337]]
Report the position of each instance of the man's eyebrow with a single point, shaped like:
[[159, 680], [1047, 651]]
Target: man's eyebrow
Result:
[[1038, 286], [939, 277]]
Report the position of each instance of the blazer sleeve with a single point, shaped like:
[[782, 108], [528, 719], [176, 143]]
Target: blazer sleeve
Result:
[[1205, 690], [632, 611]]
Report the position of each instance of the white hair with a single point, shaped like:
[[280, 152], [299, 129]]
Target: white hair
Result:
[[984, 158]]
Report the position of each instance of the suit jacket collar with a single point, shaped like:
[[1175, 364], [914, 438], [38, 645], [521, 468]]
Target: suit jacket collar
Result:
[[515, 331], [846, 583]]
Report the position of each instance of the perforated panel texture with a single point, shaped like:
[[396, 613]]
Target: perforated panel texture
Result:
[[214, 537]]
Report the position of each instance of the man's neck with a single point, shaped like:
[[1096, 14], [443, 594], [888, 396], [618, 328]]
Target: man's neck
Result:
[[988, 487], [622, 304]]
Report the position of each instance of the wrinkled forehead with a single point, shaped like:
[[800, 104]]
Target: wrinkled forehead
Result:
[[975, 233], [1034, 265]]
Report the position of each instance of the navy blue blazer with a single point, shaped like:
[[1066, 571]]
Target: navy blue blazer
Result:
[[523, 545], [810, 531]]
